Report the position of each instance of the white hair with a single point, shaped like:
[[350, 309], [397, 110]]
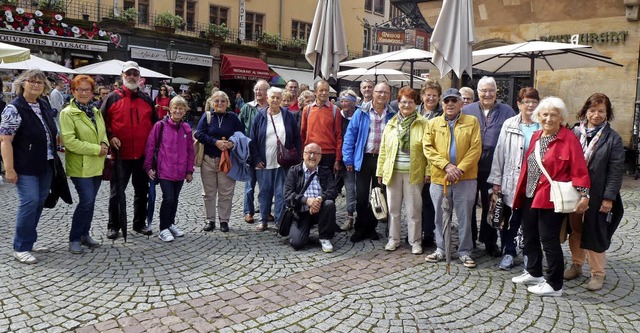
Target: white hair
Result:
[[467, 90], [551, 103], [274, 90], [487, 80]]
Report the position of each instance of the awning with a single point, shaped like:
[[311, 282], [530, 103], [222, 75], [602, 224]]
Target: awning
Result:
[[300, 75], [243, 68]]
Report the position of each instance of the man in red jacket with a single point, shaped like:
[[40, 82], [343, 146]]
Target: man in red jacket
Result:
[[129, 116]]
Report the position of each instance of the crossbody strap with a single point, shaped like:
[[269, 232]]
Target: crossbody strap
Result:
[[306, 185], [274, 127], [539, 160]]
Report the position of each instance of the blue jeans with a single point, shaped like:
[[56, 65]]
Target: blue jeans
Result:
[[87, 189], [249, 190], [32, 191], [169, 206], [349, 179], [271, 182], [151, 204]]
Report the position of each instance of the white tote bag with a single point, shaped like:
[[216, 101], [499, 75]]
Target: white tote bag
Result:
[[564, 196]]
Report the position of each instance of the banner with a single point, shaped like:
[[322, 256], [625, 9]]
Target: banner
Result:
[[242, 20]]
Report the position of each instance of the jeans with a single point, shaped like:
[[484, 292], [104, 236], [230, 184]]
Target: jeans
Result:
[[151, 205], [508, 234], [349, 179], [140, 180], [461, 197], [87, 189], [271, 182], [325, 219], [249, 190], [32, 191], [169, 206]]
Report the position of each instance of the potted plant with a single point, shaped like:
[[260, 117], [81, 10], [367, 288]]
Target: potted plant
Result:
[[269, 41], [295, 45], [129, 16], [52, 7], [218, 32], [167, 22]]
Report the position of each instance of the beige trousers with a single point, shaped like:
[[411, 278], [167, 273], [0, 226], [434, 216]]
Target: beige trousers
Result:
[[218, 186], [578, 254], [399, 190]]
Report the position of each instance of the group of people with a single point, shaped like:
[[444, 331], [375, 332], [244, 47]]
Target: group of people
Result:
[[435, 152]]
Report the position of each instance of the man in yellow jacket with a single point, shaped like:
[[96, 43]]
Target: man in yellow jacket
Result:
[[452, 145]]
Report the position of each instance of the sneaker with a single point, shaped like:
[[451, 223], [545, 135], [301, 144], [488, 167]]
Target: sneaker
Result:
[[435, 257], [506, 263], [573, 272], [166, 235], [416, 248], [391, 245], [468, 262], [527, 279], [37, 248], [595, 283], [175, 231], [25, 257], [327, 247], [144, 231], [89, 242], [348, 224], [75, 247], [544, 289]]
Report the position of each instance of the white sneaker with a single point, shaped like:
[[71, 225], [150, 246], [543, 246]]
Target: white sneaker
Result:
[[25, 257], [327, 247], [391, 245], [544, 289], [416, 248], [37, 248], [166, 235], [175, 231], [527, 279]]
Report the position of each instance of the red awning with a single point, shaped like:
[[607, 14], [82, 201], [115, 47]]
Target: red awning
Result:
[[243, 68]]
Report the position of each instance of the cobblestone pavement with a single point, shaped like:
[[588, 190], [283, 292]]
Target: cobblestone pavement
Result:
[[254, 282]]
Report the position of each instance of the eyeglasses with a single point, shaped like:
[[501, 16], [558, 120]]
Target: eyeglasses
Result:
[[83, 91], [529, 102], [220, 101], [431, 96], [449, 100], [407, 103], [311, 153], [485, 91], [36, 83], [382, 92], [132, 73]]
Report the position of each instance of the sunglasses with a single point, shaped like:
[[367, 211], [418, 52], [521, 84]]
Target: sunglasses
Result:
[[449, 100]]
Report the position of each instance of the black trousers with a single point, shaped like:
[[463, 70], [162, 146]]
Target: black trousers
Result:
[[541, 230], [170, 194], [140, 180], [325, 219], [488, 234], [366, 178], [428, 214]]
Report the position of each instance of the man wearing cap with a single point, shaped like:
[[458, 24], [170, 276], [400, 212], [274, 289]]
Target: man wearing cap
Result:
[[491, 114], [347, 178], [129, 116], [452, 146]]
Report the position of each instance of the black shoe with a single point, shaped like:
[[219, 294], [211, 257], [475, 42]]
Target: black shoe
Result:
[[89, 242], [493, 250], [209, 226], [373, 235], [357, 236], [427, 242], [144, 230], [112, 234], [224, 226]]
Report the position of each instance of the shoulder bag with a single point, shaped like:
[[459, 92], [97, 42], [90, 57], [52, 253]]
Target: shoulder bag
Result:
[[198, 147], [564, 196], [289, 214], [286, 157], [378, 203]]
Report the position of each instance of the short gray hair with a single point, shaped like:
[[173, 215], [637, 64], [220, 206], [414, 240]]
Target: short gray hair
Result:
[[551, 103], [260, 83], [487, 79], [467, 90], [274, 90]]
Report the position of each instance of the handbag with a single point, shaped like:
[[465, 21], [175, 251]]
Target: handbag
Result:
[[495, 218], [198, 147], [286, 157], [378, 203], [289, 214], [109, 164], [564, 196]]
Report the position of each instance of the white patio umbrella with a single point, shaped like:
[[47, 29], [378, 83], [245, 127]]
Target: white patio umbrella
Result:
[[538, 55], [327, 44], [114, 67], [453, 37], [385, 74], [38, 63], [11, 53], [406, 60]]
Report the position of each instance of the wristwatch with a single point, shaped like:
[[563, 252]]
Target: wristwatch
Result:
[[585, 196]]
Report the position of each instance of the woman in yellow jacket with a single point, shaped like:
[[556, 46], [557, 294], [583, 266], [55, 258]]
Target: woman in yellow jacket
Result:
[[402, 168], [85, 138]]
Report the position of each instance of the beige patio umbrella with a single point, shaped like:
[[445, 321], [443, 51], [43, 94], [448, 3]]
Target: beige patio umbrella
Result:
[[11, 53], [38, 63], [327, 44], [453, 38]]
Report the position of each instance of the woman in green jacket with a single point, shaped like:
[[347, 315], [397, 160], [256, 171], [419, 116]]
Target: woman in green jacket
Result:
[[85, 138], [402, 167]]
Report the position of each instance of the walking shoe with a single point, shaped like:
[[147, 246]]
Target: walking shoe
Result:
[[492, 250], [25, 257], [89, 242], [357, 236], [327, 247], [112, 234], [435, 257], [348, 224], [373, 235], [416, 248], [468, 262], [175, 231], [261, 227], [595, 283], [527, 279], [75, 248], [271, 218], [166, 235], [506, 263], [248, 218], [37, 248], [144, 231], [427, 242], [224, 226], [573, 272], [544, 289], [209, 226], [391, 245]]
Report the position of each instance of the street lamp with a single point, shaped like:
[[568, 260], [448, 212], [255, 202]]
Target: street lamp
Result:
[[172, 55]]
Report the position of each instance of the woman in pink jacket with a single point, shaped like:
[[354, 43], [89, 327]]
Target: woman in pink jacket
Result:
[[169, 157]]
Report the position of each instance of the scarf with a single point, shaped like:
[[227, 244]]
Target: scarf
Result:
[[404, 127], [586, 133], [88, 110]]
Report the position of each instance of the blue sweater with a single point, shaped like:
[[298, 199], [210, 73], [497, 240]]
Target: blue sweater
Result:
[[258, 135], [221, 126]]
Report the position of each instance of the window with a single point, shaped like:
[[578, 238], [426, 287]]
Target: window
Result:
[[375, 6], [180, 7], [187, 10], [253, 26], [368, 5], [143, 11], [367, 39], [300, 30], [218, 15]]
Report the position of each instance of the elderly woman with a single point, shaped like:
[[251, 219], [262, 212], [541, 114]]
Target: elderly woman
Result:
[[216, 185], [85, 138], [591, 232], [468, 95], [513, 142], [272, 124], [561, 156], [402, 167], [27, 141]]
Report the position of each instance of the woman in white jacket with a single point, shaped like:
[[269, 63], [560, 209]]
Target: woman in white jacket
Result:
[[513, 142]]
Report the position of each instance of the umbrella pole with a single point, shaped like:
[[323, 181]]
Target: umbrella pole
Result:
[[532, 75], [411, 74]]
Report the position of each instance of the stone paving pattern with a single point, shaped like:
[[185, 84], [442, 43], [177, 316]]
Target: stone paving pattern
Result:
[[246, 281]]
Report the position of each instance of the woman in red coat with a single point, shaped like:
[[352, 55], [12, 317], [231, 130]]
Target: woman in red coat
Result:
[[162, 102], [561, 156]]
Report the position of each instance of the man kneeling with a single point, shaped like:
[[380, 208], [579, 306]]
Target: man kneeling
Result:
[[315, 204]]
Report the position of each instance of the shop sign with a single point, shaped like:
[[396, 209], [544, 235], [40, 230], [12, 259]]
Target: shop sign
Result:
[[146, 53], [390, 37], [591, 38], [53, 43]]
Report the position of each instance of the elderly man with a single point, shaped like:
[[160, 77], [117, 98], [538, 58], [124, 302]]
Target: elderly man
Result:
[[366, 89], [247, 113], [129, 116], [491, 114], [360, 152], [452, 146], [315, 204]]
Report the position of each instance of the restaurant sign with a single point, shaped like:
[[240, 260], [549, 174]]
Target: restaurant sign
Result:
[[61, 43], [390, 37], [590, 38], [148, 53]]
